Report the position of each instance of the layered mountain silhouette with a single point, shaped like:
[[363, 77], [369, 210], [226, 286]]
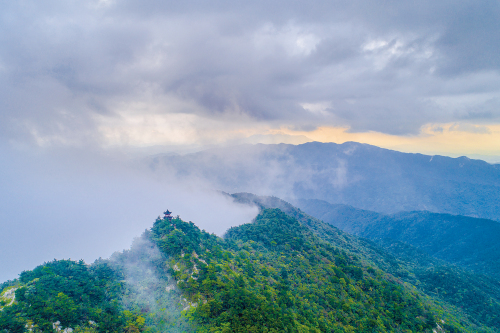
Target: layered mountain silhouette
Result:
[[355, 174], [371, 240], [468, 242]]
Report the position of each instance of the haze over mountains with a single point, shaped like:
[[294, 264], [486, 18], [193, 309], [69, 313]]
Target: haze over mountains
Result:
[[315, 237], [287, 270], [360, 175], [468, 242]]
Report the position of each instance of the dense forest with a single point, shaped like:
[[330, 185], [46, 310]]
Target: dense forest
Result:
[[284, 272], [67, 294], [452, 238], [472, 299], [127, 293], [274, 275]]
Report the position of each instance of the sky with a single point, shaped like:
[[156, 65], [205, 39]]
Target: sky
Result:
[[422, 76], [69, 204], [86, 85]]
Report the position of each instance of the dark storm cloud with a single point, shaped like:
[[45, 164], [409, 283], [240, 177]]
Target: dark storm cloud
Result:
[[380, 66]]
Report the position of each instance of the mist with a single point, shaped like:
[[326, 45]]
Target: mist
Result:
[[150, 287], [271, 170], [85, 204], [360, 175]]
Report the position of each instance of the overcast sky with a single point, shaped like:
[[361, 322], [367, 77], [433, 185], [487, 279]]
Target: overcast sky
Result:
[[84, 80], [142, 73]]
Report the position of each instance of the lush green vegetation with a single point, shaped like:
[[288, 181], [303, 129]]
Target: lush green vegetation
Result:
[[465, 301], [471, 243], [149, 291], [68, 292], [285, 272], [128, 293], [477, 296], [275, 275]]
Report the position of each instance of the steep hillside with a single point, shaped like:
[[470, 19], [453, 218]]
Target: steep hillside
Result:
[[356, 174], [284, 272], [275, 275], [471, 243], [474, 298], [66, 294], [131, 292]]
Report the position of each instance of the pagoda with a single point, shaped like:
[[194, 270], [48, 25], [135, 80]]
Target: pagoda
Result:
[[168, 215]]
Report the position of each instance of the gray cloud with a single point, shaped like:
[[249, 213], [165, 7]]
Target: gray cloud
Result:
[[84, 205], [84, 74], [381, 66]]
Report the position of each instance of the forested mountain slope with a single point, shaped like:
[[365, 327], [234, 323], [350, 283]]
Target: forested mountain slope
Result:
[[469, 242], [275, 275], [475, 298], [360, 175], [131, 292], [284, 272]]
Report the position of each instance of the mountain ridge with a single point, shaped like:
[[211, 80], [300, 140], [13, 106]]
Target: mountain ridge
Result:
[[469, 242], [407, 264], [360, 175], [285, 271]]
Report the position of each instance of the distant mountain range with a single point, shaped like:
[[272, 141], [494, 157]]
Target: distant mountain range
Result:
[[372, 241], [355, 174], [468, 242]]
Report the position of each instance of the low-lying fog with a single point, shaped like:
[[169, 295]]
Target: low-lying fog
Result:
[[85, 205]]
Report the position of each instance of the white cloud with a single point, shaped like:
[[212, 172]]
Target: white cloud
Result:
[[235, 64], [320, 108], [290, 40]]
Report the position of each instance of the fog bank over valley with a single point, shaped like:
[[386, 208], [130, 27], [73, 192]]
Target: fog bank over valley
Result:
[[80, 204], [356, 174]]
